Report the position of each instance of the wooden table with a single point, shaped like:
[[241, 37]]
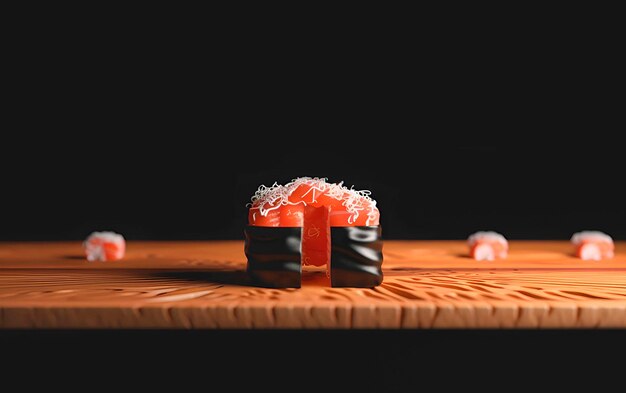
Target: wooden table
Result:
[[202, 285]]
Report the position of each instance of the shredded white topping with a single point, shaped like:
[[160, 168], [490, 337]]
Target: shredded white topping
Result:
[[594, 236], [270, 198], [107, 236], [486, 235]]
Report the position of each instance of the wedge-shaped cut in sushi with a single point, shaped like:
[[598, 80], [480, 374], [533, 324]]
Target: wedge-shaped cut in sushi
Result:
[[487, 246], [593, 245], [104, 246]]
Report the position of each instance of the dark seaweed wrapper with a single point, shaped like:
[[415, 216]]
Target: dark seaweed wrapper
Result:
[[356, 256], [274, 256]]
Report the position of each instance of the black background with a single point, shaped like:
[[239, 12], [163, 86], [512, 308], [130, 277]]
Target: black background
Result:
[[162, 125], [177, 186], [164, 131]]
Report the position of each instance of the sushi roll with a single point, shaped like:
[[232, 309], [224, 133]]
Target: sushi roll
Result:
[[593, 245], [104, 246], [310, 221], [315, 206], [487, 246]]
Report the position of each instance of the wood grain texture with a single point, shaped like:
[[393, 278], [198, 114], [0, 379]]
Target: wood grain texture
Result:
[[203, 285]]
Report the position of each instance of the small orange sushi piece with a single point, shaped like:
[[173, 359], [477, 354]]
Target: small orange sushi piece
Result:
[[487, 246], [593, 245], [104, 246]]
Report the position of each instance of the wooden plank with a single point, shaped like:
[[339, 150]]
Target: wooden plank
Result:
[[430, 284]]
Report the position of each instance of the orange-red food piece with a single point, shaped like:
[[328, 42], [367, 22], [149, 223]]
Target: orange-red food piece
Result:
[[104, 246], [593, 245], [488, 246]]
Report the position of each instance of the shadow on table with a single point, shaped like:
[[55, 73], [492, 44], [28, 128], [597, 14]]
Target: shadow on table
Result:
[[236, 277], [226, 277]]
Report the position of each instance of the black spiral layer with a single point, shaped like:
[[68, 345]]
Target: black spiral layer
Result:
[[356, 256], [274, 256]]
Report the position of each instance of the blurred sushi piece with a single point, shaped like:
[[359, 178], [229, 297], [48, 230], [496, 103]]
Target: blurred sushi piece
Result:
[[593, 245], [104, 246], [487, 246]]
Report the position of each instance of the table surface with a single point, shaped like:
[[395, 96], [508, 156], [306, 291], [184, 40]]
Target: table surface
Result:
[[427, 284]]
